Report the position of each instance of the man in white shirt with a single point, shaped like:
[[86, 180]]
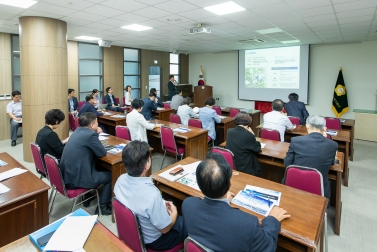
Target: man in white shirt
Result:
[[14, 110], [277, 120], [185, 112], [176, 101]]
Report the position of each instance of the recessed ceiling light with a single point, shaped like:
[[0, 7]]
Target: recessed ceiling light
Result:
[[87, 38], [173, 19], [270, 30], [290, 41], [136, 27], [19, 3], [225, 8]]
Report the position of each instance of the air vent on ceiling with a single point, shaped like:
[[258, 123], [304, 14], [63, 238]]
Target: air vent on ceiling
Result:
[[251, 41]]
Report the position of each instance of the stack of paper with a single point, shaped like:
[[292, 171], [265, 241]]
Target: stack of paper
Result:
[[331, 133], [181, 130], [262, 145], [11, 173], [118, 116], [2, 163], [160, 108], [222, 117], [107, 113], [101, 138], [3, 189]]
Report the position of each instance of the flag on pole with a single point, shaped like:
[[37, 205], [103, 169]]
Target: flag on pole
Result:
[[340, 101]]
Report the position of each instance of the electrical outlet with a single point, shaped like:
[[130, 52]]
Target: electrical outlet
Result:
[[8, 97], [2, 97]]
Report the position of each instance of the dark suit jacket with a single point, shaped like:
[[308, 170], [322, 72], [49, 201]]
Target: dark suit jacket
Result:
[[49, 142], [88, 107], [171, 88], [244, 147], [108, 100], [75, 104], [79, 156], [159, 103], [148, 107], [314, 151], [297, 109], [220, 227]]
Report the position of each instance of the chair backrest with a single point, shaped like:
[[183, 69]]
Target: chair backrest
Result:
[[167, 105], [128, 227], [192, 245], [174, 118], [77, 122], [167, 139], [123, 132], [228, 155], [295, 120], [72, 123], [55, 176], [38, 159], [124, 101], [80, 104], [328, 136], [117, 100], [270, 134], [304, 178], [195, 123], [333, 123], [217, 109], [233, 112]]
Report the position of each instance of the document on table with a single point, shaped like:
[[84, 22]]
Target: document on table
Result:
[[104, 134], [262, 145], [107, 113], [3, 189], [222, 117], [331, 133], [118, 116], [160, 108], [2, 163], [102, 138], [181, 130], [72, 234], [11, 173], [190, 178]]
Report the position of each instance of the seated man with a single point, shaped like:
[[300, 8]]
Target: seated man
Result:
[[176, 101], [313, 150], [78, 163], [208, 117], [110, 100], [161, 226], [159, 102], [277, 120], [185, 112], [220, 227], [296, 108], [89, 107], [72, 102], [14, 111], [149, 106]]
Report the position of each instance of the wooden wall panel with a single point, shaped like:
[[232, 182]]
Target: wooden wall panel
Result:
[[5, 82], [184, 69], [113, 70], [73, 66]]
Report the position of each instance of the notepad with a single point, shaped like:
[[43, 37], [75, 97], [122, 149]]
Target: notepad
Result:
[[2, 163], [331, 133], [11, 173], [181, 130]]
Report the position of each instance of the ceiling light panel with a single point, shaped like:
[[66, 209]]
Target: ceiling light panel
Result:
[[19, 3], [136, 27], [87, 38], [225, 8]]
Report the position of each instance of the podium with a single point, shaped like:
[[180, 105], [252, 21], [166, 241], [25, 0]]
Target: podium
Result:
[[201, 93]]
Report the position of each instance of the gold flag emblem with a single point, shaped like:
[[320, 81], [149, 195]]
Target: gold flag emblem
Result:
[[340, 90]]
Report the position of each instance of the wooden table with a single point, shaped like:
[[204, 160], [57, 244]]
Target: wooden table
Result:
[[24, 209], [162, 114], [299, 233], [255, 116], [349, 124], [110, 122], [272, 161], [222, 128], [195, 141], [100, 239]]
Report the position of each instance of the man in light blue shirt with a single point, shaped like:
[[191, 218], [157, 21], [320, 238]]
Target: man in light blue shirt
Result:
[[208, 117], [14, 110], [161, 226]]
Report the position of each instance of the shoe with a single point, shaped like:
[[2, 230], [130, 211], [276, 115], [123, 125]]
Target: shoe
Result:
[[86, 196], [13, 143], [105, 209]]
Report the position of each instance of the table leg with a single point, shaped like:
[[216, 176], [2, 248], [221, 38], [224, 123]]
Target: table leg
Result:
[[338, 202], [351, 143], [346, 169]]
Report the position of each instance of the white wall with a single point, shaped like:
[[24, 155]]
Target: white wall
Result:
[[359, 63]]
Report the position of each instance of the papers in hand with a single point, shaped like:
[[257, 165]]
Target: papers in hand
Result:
[[104, 134], [11, 173], [160, 108], [20, 121], [257, 199], [118, 148], [222, 117], [3, 189], [262, 145], [181, 130], [2, 163], [72, 234], [331, 133], [102, 138]]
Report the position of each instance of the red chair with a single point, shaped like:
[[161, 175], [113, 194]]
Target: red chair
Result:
[[218, 110], [228, 155], [192, 245], [333, 123], [270, 134], [72, 123], [168, 144], [38, 161], [80, 104], [129, 230], [328, 136], [295, 120], [233, 112], [77, 122], [167, 105], [198, 124], [120, 105], [309, 180], [174, 118], [57, 183], [123, 132]]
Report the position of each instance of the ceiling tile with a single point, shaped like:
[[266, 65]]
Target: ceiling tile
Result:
[[356, 19], [253, 4], [87, 16], [176, 6], [103, 11], [4, 15], [124, 5], [306, 4], [320, 18], [10, 9], [131, 18], [30, 12], [355, 13], [75, 21], [355, 5], [322, 24], [71, 4], [314, 11], [51, 8], [151, 12]]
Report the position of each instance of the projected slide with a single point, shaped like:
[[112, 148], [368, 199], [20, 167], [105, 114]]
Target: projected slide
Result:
[[273, 68]]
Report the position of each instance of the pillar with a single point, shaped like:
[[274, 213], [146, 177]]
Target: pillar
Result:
[[43, 52]]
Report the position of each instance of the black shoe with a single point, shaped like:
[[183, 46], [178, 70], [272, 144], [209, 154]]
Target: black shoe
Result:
[[13, 143], [105, 209], [87, 196]]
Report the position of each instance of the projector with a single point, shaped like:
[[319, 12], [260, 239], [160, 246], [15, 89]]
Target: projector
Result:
[[195, 30], [104, 43]]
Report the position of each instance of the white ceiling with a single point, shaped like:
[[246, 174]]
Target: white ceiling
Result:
[[310, 21]]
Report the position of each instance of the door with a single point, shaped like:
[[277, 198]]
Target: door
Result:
[[155, 79]]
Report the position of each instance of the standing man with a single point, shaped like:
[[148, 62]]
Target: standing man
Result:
[[14, 111], [176, 101], [110, 100], [149, 106], [72, 101], [313, 150], [171, 86], [78, 163], [296, 108], [159, 102]]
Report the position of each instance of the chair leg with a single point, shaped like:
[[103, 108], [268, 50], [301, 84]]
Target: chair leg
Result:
[[163, 159], [181, 156], [325, 227], [52, 203], [50, 197], [74, 204], [176, 157], [99, 208]]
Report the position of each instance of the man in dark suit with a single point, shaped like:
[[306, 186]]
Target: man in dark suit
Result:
[[159, 102], [72, 102], [78, 161], [296, 108], [110, 100], [313, 150], [215, 224], [171, 86], [149, 106], [89, 107]]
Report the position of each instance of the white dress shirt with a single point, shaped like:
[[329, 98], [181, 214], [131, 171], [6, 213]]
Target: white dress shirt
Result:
[[277, 121], [185, 113], [138, 126]]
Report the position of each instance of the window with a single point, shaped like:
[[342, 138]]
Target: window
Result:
[[131, 71], [16, 65], [90, 69], [174, 66]]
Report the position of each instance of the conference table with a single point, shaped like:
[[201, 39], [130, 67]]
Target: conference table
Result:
[[23, 209], [99, 239], [195, 140], [226, 123], [301, 232], [111, 121], [349, 124], [272, 157], [255, 115], [162, 114]]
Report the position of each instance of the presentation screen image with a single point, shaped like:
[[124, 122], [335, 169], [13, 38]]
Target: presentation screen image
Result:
[[272, 73]]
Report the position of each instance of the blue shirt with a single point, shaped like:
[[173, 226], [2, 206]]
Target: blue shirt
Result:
[[208, 117], [141, 196], [71, 104]]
